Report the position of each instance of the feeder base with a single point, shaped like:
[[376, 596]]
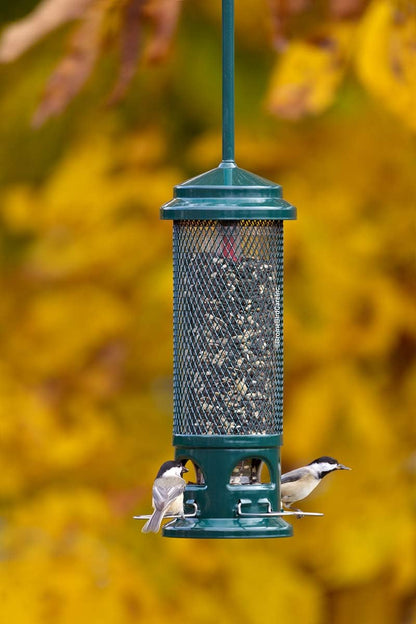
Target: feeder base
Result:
[[226, 528]]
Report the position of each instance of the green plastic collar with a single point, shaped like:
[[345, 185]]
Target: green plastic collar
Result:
[[227, 441]]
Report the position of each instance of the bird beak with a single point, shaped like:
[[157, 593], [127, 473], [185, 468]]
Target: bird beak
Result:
[[187, 469], [342, 467]]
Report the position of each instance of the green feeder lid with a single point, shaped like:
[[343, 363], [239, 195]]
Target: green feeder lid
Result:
[[227, 192]]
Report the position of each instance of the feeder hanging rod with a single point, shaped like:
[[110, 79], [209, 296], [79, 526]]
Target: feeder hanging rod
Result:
[[228, 82]]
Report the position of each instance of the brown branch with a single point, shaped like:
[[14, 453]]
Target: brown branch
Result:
[[74, 69], [45, 18]]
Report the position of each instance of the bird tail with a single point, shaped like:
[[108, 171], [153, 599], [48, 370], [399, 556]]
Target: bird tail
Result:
[[154, 522]]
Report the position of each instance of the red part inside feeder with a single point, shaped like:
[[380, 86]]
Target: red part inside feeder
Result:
[[228, 247]]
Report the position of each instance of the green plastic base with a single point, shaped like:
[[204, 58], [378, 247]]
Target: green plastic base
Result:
[[217, 498], [228, 528]]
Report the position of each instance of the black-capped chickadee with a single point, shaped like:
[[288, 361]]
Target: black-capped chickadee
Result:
[[299, 483], [167, 494]]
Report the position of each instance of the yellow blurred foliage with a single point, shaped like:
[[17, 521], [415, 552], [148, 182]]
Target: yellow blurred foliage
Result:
[[381, 46], [306, 79], [79, 570], [386, 57], [86, 334]]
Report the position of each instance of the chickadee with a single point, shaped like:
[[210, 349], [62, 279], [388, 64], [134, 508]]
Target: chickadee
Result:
[[167, 494], [299, 483]]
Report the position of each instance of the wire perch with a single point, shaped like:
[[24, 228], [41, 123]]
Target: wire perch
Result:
[[190, 515], [270, 513]]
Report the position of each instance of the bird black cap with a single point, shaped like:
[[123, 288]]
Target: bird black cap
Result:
[[324, 459], [170, 464]]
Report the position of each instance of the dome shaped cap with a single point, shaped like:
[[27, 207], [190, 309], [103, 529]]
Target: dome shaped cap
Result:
[[227, 193]]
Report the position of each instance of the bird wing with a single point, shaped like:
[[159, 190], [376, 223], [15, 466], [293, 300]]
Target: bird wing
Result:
[[164, 492], [294, 475]]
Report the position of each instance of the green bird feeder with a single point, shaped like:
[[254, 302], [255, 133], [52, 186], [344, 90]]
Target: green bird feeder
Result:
[[228, 339]]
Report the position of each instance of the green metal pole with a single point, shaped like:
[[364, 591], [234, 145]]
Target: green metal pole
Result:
[[228, 83]]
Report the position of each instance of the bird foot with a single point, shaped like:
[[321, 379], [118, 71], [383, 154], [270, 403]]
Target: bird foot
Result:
[[299, 513]]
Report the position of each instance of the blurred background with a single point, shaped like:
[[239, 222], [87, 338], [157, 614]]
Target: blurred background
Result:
[[104, 106]]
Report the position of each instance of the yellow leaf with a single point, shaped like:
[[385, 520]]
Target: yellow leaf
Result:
[[386, 58], [305, 81]]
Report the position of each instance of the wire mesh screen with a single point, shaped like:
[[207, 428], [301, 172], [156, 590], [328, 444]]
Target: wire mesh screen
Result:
[[228, 322]]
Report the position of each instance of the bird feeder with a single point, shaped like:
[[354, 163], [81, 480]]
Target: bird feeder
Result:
[[228, 339]]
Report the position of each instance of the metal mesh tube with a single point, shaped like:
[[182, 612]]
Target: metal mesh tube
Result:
[[228, 327]]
